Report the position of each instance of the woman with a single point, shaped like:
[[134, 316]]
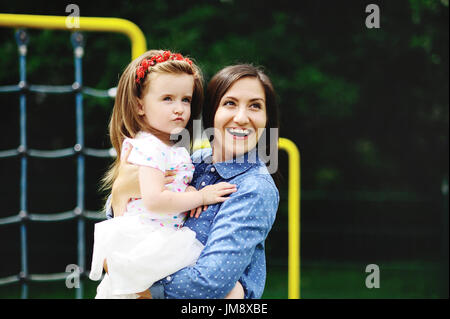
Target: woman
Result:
[[239, 104]]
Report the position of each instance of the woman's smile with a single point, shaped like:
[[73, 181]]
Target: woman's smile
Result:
[[239, 133]]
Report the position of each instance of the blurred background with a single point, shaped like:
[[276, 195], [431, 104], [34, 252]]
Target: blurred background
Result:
[[367, 108]]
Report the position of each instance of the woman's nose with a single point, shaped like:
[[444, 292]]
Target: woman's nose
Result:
[[241, 116]]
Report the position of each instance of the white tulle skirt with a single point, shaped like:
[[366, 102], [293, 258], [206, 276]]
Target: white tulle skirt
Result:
[[138, 252]]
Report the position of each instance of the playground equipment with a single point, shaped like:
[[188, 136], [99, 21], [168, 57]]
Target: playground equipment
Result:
[[138, 46]]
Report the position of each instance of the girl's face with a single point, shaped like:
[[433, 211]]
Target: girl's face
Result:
[[241, 112], [167, 103]]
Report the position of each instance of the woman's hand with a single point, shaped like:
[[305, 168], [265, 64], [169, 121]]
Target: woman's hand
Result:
[[237, 292], [105, 266], [169, 176], [125, 186]]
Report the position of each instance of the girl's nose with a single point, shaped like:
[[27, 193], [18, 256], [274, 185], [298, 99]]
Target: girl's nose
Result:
[[241, 116], [178, 108]]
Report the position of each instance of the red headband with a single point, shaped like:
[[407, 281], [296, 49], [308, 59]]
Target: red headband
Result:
[[145, 65]]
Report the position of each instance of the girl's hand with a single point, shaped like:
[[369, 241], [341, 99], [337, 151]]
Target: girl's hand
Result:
[[213, 194], [196, 211]]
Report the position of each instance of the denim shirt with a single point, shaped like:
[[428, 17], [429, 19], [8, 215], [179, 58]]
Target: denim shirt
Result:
[[233, 232]]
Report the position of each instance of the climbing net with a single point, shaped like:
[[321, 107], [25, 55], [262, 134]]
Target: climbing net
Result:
[[23, 153]]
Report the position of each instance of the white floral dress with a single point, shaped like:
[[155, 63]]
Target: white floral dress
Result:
[[142, 247]]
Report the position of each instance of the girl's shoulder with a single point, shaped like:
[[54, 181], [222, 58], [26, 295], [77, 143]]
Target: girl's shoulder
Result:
[[148, 137], [145, 142], [145, 146]]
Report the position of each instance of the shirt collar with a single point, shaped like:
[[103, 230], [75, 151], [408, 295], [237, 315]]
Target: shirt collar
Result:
[[236, 166]]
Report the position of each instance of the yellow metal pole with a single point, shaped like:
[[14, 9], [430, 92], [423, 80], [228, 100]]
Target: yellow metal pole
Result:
[[117, 25], [293, 218], [293, 212]]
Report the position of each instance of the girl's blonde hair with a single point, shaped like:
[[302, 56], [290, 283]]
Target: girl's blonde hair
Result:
[[126, 122]]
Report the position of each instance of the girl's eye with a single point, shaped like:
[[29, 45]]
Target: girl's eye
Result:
[[186, 100], [167, 98]]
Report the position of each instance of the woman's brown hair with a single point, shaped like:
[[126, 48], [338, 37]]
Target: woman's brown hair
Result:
[[126, 122]]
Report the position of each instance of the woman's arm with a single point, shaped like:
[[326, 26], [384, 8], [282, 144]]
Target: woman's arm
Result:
[[125, 186]]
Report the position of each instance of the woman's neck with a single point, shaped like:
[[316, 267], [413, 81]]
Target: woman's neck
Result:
[[215, 157], [219, 156]]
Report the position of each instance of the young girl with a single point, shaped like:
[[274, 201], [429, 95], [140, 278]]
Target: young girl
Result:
[[156, 95]]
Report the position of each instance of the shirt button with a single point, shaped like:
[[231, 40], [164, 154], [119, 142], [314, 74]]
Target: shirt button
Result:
[[213, 169], [203, 183]]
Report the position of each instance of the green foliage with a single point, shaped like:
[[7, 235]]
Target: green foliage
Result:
[[368, 108], [337, 81]]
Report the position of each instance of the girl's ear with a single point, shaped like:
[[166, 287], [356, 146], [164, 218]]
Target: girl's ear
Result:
[[140, 107]]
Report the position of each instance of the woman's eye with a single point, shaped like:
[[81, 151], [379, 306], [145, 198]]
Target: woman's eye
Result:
[[256, 106], [229, 103]]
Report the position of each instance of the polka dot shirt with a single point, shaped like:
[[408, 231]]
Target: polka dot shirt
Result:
[[233, 232]]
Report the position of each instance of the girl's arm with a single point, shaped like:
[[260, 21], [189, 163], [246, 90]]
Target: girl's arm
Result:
[[158, 199], [126, 185], [195, 212]]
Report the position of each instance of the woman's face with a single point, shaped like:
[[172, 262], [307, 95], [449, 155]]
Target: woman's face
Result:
[[240, 119]]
